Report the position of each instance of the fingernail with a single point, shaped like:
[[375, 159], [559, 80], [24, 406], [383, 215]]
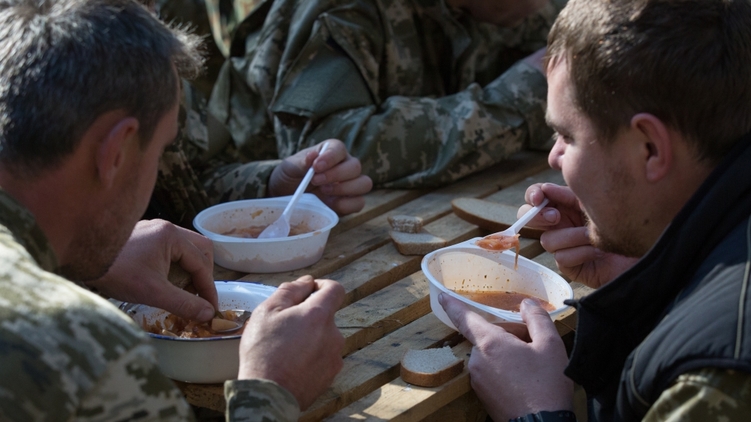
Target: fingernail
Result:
[[206, 314], [440, 298], [550, 215]]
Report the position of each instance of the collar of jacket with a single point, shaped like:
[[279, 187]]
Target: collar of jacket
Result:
[[21, 224], [613, 320]]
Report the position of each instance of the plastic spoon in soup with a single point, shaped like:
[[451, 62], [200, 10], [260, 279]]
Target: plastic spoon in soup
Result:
[[509, 238], [280, 227]]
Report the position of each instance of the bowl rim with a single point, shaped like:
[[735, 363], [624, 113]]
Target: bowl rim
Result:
[[260, 288], [470, 247], [307, 201]]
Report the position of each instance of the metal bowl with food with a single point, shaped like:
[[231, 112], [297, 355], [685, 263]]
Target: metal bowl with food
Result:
[[203, 360], [234, 226], [488, 282]]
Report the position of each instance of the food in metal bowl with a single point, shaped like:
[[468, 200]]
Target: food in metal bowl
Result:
[[204, 359], [174, 326]]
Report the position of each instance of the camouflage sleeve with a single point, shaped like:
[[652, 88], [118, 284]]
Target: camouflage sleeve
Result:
[[202, 167], [419, 142], [235, 181], [259, 400], [708, 394]]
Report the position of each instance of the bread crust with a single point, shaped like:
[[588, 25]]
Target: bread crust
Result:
[[430, 379]]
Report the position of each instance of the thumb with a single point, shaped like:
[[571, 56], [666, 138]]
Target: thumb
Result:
[[539, 324]]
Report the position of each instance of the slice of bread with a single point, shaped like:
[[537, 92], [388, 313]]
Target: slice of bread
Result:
[[405, 223], [416, 243], [491, 216], [430, 367]]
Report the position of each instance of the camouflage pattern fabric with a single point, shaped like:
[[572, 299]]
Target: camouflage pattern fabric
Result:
[[421, 94], [278, 404], [709, 394], [68, 354], [202, 167]]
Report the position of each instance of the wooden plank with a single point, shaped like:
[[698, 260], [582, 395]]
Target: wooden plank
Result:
[[467, 408], [398, 401], [368, 369], [393, 307], [377, 202]]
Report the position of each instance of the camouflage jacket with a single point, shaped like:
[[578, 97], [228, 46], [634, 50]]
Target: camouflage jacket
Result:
[[67, 354], [421, 94]]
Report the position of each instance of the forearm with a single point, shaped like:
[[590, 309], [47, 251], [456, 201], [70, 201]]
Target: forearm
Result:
[[230, 182], [415, 142]]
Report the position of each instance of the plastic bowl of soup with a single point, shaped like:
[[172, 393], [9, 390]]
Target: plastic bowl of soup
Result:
[[489, 283], [201, 360], [234, 226]]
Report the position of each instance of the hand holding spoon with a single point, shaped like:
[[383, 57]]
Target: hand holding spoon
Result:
[[280, 227]]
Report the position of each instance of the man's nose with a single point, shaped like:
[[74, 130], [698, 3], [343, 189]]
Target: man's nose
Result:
[[556, 153]]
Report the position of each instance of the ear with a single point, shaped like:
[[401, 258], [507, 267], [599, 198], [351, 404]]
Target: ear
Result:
[[113, 148], [658, 145]]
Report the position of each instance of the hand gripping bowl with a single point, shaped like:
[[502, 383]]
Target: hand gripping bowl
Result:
[[465, 266], [267, 255], [202, 360]]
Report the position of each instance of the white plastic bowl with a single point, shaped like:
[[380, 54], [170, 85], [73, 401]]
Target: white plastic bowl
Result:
[[465, 266], [267, 255], [202, 360]]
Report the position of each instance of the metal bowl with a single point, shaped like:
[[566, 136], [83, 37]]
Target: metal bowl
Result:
[[465, 266], [202, 360], [267, 255]]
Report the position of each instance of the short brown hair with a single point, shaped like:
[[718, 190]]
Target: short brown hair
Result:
[[688, 62], [65, 62]]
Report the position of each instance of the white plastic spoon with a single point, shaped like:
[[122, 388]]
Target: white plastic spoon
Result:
[[508, 238], [280, 227], [522, 221]]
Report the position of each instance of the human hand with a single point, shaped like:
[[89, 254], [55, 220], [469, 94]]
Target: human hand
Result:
[[513, 377], [292, 339], [338, 178], [567, 237], [139, 274]]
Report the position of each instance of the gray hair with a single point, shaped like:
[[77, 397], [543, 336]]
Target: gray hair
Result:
[[65, 62]]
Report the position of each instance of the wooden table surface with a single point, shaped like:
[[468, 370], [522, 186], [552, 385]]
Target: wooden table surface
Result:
[[386, 310]]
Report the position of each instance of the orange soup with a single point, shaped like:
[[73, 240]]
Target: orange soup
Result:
[[252, 232], [501, 243], [509, 301]]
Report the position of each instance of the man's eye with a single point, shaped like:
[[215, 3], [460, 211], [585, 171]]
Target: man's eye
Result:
[[564, 138]]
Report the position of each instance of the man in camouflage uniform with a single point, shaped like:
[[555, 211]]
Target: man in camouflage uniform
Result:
[[651, 102], [421, 92], [82, 126]]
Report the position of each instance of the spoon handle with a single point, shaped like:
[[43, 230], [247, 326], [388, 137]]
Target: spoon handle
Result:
[[521, 222], [303, 184]]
